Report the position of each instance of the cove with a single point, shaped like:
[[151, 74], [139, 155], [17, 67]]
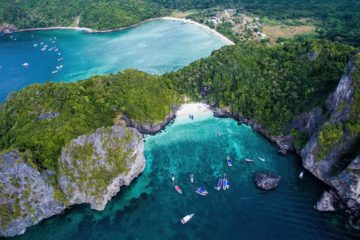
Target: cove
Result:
[[155, 47], [151, 208]]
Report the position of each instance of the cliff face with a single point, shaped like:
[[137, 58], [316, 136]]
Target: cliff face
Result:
[[94, 167], [92, 170], [332, 152], [26, 197]]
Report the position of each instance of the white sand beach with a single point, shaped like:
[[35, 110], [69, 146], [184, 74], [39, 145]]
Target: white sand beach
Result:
[[199, 111]]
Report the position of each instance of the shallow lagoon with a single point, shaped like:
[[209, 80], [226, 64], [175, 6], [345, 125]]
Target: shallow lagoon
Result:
[[151, 208], [156, 47]]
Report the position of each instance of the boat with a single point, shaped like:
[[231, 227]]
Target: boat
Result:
[[56, 49], [219, 185], [248, 160], [55, 71], [301, 175], [261, 159], [59, 54], [173, 177], [41, 43], [60, 66], [191, 178], [25, 64], [202, 191], [187, 218], [226, 184], [35, 45], [45, 46], [228, 160], [60, 59], [178, 189], [43, 49]]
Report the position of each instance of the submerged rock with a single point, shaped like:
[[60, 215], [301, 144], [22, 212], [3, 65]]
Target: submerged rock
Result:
[[266, 181], [328, 202]]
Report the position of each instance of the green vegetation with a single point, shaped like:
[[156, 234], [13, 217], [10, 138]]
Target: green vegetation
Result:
[[269, 84], [83, 106], [329, 136], [97, 14]]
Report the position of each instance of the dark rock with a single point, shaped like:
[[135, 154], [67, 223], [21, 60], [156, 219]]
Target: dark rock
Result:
[[266, 181], [328, 202], [308, 122], [49, 115]]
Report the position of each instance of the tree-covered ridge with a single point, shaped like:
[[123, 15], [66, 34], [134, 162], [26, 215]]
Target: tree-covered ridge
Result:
[[41, 119], [271, 85], [97, 14]]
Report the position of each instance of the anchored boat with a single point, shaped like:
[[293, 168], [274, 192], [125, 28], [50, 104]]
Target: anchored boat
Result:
[[229, 162], [219, 185], [191, 178], [187, 218], [226, 184], [178, 189], [261, 159], [301, 175], [248, 160], [202, 191], [173, 177]]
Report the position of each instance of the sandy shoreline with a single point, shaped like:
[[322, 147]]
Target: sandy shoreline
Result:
[[199, 112], [89, 30]]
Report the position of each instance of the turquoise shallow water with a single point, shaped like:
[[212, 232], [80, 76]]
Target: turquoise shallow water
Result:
[[157, 47], [151, 209]]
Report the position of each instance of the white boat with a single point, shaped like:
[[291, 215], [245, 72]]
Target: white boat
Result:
[[60, 59], [248, 160], [56, 49], [202, 191], [59, 54], [41, 43], [261, 159], [35, 45], [55, 71], [173, 177], [191, 178], [59, 67], [43, 49], [228, 160], [187, 218], [25, 64], [301, 175]]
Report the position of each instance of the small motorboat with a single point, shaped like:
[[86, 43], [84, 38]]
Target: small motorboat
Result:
[[55, 71], [25, 64], [219, 185], [202, 191], [41, 43], [191, 178], [56, 49], [228, 160], [301, 175], [173, 177], [59, 54], [187, 218], [35, 45], [226, 184], [178, 189], [43, 49], [248, 160], [59, 67], [261, 159]]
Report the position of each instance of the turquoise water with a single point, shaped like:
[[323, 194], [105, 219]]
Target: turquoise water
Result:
[[157, 47], [151, 209]]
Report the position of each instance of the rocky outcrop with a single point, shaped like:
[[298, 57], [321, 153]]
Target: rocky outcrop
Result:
[[48, 115], [266, 181], [327, 154], [25, 196], [7, 28], [328, 202], [308, 122], [92, 169], [150, 128]]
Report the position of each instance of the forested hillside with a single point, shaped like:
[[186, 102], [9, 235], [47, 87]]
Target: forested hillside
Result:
[[105, 14], [271, 85]]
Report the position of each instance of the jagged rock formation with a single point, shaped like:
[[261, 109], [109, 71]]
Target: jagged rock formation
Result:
[[266, 181], [7, 28], [332, 152], [26, 197], [328, 202], [92, 169]]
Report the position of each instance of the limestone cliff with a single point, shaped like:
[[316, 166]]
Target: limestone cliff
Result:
[[92, 169]]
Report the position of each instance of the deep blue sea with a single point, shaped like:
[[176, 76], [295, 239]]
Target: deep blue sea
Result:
[[151, 208], [156, 47]]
